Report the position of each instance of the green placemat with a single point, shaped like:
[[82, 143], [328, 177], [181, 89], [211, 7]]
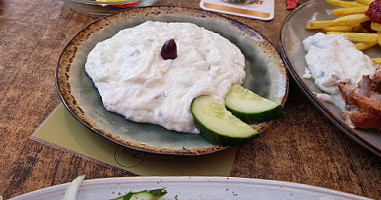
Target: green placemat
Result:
[[62, 130]]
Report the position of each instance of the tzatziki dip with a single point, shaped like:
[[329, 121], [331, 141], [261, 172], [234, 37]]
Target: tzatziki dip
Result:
[[332, 59], [135, 81]]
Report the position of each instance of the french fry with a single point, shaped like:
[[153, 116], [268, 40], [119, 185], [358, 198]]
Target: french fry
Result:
[[376, 61], [365, 2], [341, 28], [345, 4], [360, 37], [375, 26], [365, 45], [349, 20], [317, 24], [349, 11]]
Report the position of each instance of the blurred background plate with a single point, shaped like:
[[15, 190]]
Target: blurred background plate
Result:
[[193, 188], [265, 74], [100, 8], [292, 35]]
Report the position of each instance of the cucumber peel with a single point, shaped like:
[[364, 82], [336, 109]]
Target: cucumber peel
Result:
[[219, 126], [250, 107], [143, 195]]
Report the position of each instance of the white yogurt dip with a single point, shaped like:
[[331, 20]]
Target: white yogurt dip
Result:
[[135, 81], [332, 59]]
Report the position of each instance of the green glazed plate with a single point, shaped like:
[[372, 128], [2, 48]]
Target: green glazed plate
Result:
[[266, 75]]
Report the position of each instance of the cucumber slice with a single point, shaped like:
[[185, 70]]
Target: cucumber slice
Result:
[[217, 125], [250, 107], [144, 195]]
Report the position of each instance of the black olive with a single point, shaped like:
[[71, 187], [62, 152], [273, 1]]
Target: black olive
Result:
[[169, 50]]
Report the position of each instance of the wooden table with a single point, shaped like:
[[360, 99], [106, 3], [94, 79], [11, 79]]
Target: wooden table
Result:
[[304, 147]]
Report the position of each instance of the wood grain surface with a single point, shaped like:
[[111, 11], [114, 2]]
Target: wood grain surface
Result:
[[304, 147]]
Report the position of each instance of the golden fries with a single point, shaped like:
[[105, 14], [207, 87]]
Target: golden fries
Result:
[[376, 61], [349, 11], [352, 22], [349, 20], [364, 2], [317, 24], [375, 26], [359, 37], [365, 45], [345, 4], [342, 28]]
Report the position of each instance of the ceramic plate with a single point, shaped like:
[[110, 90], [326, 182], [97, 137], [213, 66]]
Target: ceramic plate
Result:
[[192, 188], [266, 75], [292, 35], [93, 7]]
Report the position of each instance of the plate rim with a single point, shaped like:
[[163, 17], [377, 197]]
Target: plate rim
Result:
[[185, 180], [318, 104], [166, 151], [93, 9]]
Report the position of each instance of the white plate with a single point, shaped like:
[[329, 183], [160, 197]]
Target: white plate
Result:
[[193, 188]]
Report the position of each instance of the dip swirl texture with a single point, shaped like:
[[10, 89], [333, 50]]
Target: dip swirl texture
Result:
[[332, 59], [135, 81]]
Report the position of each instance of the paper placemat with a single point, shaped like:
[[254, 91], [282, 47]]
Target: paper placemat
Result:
[[63, 131], [260, 9]]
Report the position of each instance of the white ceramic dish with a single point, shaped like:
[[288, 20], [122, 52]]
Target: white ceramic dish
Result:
[[292, 35], [193, 188]]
